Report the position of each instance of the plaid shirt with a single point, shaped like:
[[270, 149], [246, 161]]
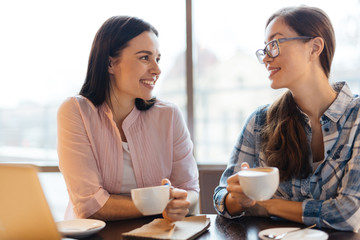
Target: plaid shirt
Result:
[[331, 195]]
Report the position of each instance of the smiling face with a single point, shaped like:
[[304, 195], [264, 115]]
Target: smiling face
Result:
[[292, 66], [134, 72]]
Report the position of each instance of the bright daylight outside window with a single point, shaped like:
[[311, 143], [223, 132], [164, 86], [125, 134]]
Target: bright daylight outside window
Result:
[[45, 46], [44, 52], [229, 82]]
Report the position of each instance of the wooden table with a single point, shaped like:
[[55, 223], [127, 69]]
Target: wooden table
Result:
[[246, 228]]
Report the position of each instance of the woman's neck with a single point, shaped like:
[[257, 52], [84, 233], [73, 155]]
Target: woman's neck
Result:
[[120, 108], [315, 98]]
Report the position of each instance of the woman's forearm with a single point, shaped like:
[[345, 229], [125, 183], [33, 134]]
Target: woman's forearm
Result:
[[120, 207], [116, 208], [286, 209]]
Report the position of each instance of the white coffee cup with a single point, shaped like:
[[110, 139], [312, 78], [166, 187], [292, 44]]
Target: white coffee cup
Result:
[[259, 183], [151, 200]]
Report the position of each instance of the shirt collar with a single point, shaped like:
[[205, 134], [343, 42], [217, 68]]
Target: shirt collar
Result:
[[339, 106], [127, 121]]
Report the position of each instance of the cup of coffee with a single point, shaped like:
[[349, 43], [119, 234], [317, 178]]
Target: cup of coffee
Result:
[[151, 200], [259, 183]]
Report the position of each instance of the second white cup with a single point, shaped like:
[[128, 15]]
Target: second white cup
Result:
[[259, 183]]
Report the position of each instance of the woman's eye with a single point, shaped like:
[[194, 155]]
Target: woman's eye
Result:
[[144, 58]]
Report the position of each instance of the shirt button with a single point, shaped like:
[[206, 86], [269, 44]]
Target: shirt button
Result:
[[328, 151], [326, 129]]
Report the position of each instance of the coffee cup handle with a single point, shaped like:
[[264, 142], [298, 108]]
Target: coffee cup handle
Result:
[[171, 187]]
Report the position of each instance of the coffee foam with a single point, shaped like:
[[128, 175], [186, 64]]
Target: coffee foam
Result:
[[247, 173]]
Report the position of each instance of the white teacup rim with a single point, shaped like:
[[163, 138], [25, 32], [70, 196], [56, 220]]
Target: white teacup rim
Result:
[[150, 187], [261, 169]]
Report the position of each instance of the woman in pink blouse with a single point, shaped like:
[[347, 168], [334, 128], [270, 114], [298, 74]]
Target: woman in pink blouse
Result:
[[115, 136]]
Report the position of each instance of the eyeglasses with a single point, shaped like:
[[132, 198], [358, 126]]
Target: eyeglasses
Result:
[[272, 48]]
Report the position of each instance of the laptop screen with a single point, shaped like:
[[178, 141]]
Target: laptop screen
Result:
[[24, 211]]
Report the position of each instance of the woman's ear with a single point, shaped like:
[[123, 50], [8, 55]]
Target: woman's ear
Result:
[[111, 64], [317, 47]]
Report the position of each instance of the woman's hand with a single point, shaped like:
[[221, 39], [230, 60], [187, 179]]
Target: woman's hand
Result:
[[236, 200], [178, 207]]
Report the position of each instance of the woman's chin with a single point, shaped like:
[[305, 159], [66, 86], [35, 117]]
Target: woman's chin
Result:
[[272, 84], [275, 85]]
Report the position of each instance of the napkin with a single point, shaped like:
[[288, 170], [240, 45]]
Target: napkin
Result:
[[189, 228]]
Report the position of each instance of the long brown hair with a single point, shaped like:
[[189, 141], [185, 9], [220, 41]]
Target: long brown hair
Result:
[[284, 139]]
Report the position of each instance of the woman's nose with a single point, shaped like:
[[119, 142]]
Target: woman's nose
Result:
[[156, 69], [267, 59]]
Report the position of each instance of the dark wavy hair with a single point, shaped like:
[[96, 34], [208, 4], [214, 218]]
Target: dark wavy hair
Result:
[[284, 139], [112, 37]]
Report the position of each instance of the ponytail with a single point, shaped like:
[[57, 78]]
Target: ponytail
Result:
[[284, 140]]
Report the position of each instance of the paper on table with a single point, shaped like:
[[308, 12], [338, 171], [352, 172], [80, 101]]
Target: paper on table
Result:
[[189, 228]]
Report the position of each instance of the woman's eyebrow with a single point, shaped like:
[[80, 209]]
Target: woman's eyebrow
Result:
[[144, 51], [273, 35], [147, 52]]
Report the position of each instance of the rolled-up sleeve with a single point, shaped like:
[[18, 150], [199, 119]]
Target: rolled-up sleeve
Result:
[[243, 151], [77, 161]]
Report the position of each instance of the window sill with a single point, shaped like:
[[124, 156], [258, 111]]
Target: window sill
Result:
[[41, 166]]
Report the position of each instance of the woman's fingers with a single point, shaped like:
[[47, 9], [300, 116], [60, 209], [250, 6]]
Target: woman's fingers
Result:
[[242, 199], [178, 207], [245, 165], [180, 212], [177, 193], [165, 181], [235, 190], [175, 214], [234, 179], [178, 203]]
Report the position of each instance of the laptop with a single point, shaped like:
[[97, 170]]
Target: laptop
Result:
[[24, 211]]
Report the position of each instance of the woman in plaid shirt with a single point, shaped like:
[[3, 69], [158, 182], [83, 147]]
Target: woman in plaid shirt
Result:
[[311, 133]]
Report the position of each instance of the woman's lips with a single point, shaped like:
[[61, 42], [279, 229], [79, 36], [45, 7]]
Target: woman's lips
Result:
[[272, 71], [148, 83]]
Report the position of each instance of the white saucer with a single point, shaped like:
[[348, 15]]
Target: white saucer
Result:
[[308, 234], [79, 227]]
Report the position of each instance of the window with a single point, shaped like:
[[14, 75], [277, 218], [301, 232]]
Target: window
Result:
[[44, 52], [45, 46], [229, 83]]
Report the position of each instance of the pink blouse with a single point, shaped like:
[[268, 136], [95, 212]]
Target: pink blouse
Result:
[[91, 154]]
